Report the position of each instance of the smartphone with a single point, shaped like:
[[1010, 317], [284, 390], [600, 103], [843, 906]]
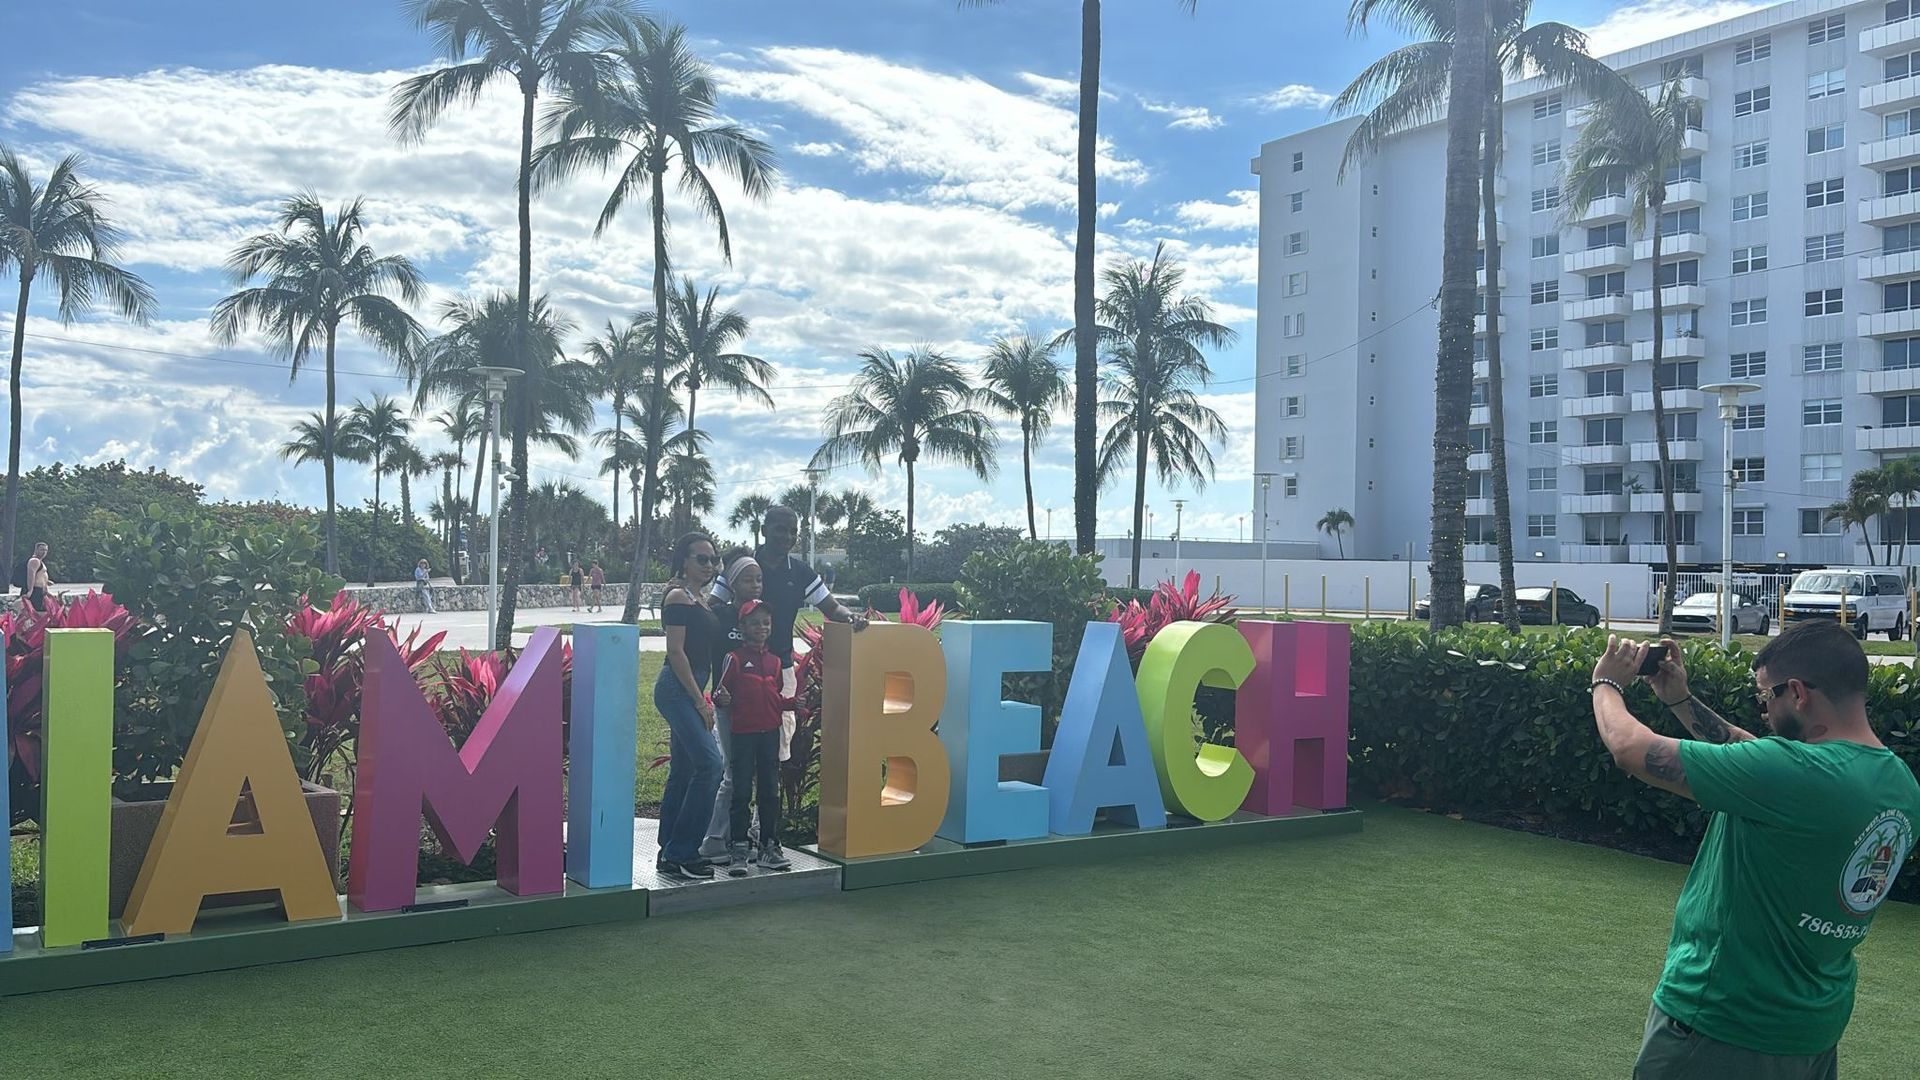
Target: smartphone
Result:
[[1655, 656]]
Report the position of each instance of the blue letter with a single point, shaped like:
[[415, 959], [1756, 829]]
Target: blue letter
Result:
[[1100, 754], [601, 748], [979, 727]]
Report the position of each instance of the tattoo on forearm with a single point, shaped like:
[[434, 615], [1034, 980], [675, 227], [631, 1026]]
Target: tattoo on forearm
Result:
[[1663, 764], [1707, 725]]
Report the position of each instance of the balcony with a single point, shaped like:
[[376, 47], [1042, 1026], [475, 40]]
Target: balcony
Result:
[[1677, 450], [1606, 257], [1479, 507], [1670, 399], [1890, 323], [1599, 307], [1594, 356], [1482, 552], [1684, 502], [1602, 211], [1900, 264], [1499, 229], [1890, 37], [1657, 553], [1897, 381], [1684, 193], [1690, 347], [1579, 116], [1480, 278], [1887, 438], [1482, 369], [1479, 416], [1672, 297], [1693, 141], [1890, 153], [1677, 246], [1597, 405], [1890, 209], [1594, 455], [1609, 503], [1593, 553], [1890, 96], [1692, 87], [1480, 462], [1480, 324]]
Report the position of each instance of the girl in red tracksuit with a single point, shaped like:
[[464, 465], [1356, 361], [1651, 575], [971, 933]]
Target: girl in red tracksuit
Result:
[[750, 690]]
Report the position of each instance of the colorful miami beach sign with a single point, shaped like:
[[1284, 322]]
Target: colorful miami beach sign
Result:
[[912, 735]]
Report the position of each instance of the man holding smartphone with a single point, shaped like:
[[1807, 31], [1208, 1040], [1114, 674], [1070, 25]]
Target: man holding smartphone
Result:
[[1810, 827]]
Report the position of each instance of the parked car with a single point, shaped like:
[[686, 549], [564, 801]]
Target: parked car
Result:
[[1875, 599], [1700, 613], [1483, 604], [1537, 607]]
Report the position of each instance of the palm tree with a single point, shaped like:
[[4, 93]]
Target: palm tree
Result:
[[1408, 88], [748, 512], [448, 462], [851, 506], [1335, 523], [617, 357], [698, 338], [663, 113], [1900, 479], [310, 443], [463, 421], [627, 448], [919, 404], [1086, 358], [60, 229], [1857, 509], [804, 500], [687, 482], [316, 274], [1154, 335], [1635, 142], [375, 433], [1024, 381]]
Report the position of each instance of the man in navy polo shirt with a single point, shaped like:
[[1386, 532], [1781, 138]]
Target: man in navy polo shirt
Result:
[[790, 584]]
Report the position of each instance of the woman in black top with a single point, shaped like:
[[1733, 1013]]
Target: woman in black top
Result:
[[693, 770]]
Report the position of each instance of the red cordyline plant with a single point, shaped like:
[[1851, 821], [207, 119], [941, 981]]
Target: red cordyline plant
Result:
[[462, 688], [337, 638], [25, 635], [1170, 604]]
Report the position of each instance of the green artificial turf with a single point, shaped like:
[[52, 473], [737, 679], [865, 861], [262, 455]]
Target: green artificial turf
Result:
[[1420, 948]]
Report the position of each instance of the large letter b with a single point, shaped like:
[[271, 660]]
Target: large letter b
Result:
[[883, 772]]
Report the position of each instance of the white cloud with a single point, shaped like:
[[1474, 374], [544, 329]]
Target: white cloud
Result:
[[1241, 214], [818, 149], [1651, 20], [1185, 117], [1293, 96]]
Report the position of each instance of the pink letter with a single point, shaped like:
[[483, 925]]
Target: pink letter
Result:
[[1290, 716], [509, 773]]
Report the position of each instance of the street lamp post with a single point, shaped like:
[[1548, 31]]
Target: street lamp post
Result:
[[1179, 516], [1049, 524], [813, 503], [1266, 490], [495, 381], [1729, 393]]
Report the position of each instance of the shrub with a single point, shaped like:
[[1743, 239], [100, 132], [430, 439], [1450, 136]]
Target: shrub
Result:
[[885, 598], [336, 640], [1040, 582], [25, 636]]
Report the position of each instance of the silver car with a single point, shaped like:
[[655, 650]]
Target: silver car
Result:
[[1700, 613]]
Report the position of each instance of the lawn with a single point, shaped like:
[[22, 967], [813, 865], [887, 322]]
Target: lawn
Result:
[[1422, 947]]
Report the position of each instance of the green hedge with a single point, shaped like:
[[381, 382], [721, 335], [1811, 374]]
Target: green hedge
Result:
[[886, 598], [1472, 719]]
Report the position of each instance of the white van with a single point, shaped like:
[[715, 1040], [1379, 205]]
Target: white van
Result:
[[1875, 599]]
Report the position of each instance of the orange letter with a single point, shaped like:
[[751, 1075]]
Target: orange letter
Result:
[[883, 772]]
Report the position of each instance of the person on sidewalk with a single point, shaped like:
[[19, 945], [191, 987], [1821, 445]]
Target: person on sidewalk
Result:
[[750, 690], [422, 587], [576, 583], [693, 768], [596, 586], [1810, 827], [39, 584], [742, 582]]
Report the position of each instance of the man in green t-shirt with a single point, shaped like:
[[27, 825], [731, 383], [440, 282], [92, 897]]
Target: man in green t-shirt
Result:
[[1810, 827]]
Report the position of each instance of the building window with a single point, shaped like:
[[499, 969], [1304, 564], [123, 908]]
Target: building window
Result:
[[1605, 431], [1825, 247], [1543, 431], [1905, 122], [1750, 522], [1826, 193], [1542, 526], [1546, 198], [1751, 470], [1293, 325], [1831, 28], [1899, 67], [1546, 153], [1289, 486], [1685, 67], [1818, 467], [1544, 246], [1550, 105], [1814, 522], [1895, 239], [1544, 338], [1601, 285], [1902, 411], [1823, 302], [1296, 364], [1608, 383], [1546, 292], [1900, 296], [1747, 155], [1748, 102], [1750, 207], [1684, 272], [1290, 407], [1749, 417], [1686, 528], [1821, 357], [1541, 386], [1299, 161], [1900, 354], [1543, 478], [1820, 412], [1747, 365], [1748, 260], [1754, 48], [1614, 235], [1675, 222], [1297, 201], [1826, 84], [1479, 395], [1682, 426], [1290, 447], [1297, 283], [1749, 312], [1679, 375], [1829, 137], [1297, 243], [1900, 181], [1611, 332], [1601, 529], [1688, 169]]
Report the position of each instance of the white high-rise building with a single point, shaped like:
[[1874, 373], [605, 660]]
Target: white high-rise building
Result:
[[1791, 260]]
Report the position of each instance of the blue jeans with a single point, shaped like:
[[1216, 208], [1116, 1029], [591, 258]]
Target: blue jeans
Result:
[[693, 772]]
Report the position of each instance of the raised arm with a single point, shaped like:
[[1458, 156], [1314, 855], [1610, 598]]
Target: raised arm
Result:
[[1646, 755], [1670, 686]]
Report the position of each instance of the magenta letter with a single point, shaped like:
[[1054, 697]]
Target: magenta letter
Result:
[[508, 773], [1290, 717]]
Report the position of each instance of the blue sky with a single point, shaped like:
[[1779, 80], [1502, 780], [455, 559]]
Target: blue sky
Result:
[[926, 198]]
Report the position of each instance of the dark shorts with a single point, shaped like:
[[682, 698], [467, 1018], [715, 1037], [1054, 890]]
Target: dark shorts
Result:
[[38, 599], [1673, 1051]]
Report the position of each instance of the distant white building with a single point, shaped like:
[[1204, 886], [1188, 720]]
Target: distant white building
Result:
[[1792, 260]]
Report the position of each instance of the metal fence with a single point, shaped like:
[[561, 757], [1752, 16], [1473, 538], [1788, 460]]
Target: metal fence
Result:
[[1765, 589]]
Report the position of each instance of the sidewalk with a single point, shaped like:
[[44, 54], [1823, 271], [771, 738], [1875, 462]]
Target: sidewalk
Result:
[[468, 629]]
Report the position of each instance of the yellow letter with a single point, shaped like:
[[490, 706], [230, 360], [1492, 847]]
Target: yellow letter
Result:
[[880, 696]]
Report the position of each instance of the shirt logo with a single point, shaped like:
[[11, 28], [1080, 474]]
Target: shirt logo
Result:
[[1877, 857]]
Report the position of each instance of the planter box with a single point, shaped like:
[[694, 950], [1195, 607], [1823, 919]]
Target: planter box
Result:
[[135, 822]]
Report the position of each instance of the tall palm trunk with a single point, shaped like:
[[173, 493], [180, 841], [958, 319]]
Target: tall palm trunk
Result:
[[1493, 141], [373, 530], [479, 476], [1654, 202], [1086, 356], [910, 501], [613, 504], [451, 523], [643, 535], [1453, 366], [13, 416], [1139, 490], [406, 499], [683, 501], [1026, 474], [327, 462], [516, 505], [459, 482]]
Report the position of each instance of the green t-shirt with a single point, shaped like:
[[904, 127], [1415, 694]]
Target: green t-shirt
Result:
[[1805, 844]]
